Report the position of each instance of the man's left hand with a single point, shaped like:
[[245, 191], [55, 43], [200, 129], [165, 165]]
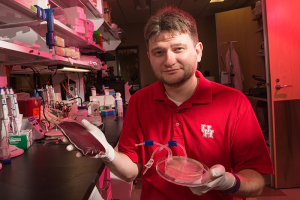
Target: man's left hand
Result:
[[220, 180]]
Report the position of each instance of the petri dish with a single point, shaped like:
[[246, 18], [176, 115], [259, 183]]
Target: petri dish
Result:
[[183, 171]]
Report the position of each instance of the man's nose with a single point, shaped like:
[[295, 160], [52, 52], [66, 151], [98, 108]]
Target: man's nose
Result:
[[170, 59]]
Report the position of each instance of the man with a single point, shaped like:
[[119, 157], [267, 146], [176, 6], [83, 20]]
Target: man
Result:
[[214, 123]]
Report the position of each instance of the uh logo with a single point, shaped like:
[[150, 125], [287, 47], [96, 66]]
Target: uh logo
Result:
[[207, 131]]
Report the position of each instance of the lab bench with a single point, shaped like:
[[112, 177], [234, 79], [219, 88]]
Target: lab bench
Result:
[[51, 172]]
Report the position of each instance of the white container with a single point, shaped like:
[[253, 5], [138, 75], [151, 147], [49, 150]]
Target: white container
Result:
[[119, 105], [93, 90], [106, 91], [82, 113]]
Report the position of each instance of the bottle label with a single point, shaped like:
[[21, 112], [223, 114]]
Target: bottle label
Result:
[[119, 108]]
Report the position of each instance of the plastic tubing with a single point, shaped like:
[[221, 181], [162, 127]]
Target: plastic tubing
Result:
[[151, 161], [77, 98], [174, 143]]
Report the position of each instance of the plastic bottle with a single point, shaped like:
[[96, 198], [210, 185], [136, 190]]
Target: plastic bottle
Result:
[[119, 105], [95, 107], [73, 111], [93, 90], [100, 40], [82, 113]]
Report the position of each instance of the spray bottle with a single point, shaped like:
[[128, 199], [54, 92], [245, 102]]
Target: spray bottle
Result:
[[119, 105]]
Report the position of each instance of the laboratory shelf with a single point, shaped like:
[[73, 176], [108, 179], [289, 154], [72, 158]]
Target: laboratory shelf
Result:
[[85, 4], [30, 55], [20, 55], [60, 60], [20, 8], [71, 37], [23, 55], [92, 13], [19, 24], [259, 30], [94, 10], [256, 97], [109, 29], [260, 53]]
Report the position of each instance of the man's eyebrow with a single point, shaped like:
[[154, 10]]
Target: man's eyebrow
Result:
[[178, 44]]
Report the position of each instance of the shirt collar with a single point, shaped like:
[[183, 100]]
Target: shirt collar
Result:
[[202, 94]]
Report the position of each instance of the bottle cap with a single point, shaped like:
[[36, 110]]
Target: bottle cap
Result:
[[81, 107]]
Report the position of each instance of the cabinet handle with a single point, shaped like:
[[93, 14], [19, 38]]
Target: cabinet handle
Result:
[[108, 185], [278, 87]]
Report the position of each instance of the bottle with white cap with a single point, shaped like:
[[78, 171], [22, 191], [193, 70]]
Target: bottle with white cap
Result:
[[95, 107], [119, 105]]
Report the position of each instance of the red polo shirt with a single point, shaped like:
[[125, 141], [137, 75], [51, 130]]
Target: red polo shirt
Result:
[[216, 125]]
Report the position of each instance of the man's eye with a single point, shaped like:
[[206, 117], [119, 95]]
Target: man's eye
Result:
[[179, 49], [158, 53]]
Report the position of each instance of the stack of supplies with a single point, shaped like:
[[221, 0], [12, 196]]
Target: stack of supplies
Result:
[[61, 50], [77, 18], [89, 30], [59, 46]]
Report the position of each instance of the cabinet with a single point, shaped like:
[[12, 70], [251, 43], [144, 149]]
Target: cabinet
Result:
[[280, 62], [21, 20], [236, 27], [239, 29]]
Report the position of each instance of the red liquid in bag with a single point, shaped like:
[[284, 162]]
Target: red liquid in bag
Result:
[[82, 139]]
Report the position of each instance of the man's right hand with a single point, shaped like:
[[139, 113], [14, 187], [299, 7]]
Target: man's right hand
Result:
[[109, 153]]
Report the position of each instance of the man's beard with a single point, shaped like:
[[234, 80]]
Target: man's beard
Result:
[[176, 83]]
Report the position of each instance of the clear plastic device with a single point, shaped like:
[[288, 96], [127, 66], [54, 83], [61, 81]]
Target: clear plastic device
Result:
[[179, 170]]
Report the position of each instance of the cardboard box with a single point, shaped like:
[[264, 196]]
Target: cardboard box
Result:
[[69, 52], [75, 12], [89, 29], [76, 55], [77, 22], [79, 29], [24, 141], [58, 41], [94, 2], [60, 51]]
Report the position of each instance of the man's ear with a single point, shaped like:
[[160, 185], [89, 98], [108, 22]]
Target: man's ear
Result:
[[148, 54], [199, 49]]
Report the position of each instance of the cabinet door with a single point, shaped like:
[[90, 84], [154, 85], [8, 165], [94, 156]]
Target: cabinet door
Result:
[[105, 184], [282, 19]]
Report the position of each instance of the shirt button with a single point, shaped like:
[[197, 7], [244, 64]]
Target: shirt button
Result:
[[177, 111], [177, 124]]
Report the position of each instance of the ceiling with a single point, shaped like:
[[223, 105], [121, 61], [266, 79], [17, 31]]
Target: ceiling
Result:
[[137, 11]]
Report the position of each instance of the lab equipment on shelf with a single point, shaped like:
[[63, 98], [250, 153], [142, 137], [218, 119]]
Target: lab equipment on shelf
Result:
[[179, 170], [7, 151]]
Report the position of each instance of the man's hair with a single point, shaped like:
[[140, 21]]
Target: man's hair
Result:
[[173, 20]]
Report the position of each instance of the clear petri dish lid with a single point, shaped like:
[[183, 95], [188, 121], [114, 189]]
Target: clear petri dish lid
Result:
[[183, 171]]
